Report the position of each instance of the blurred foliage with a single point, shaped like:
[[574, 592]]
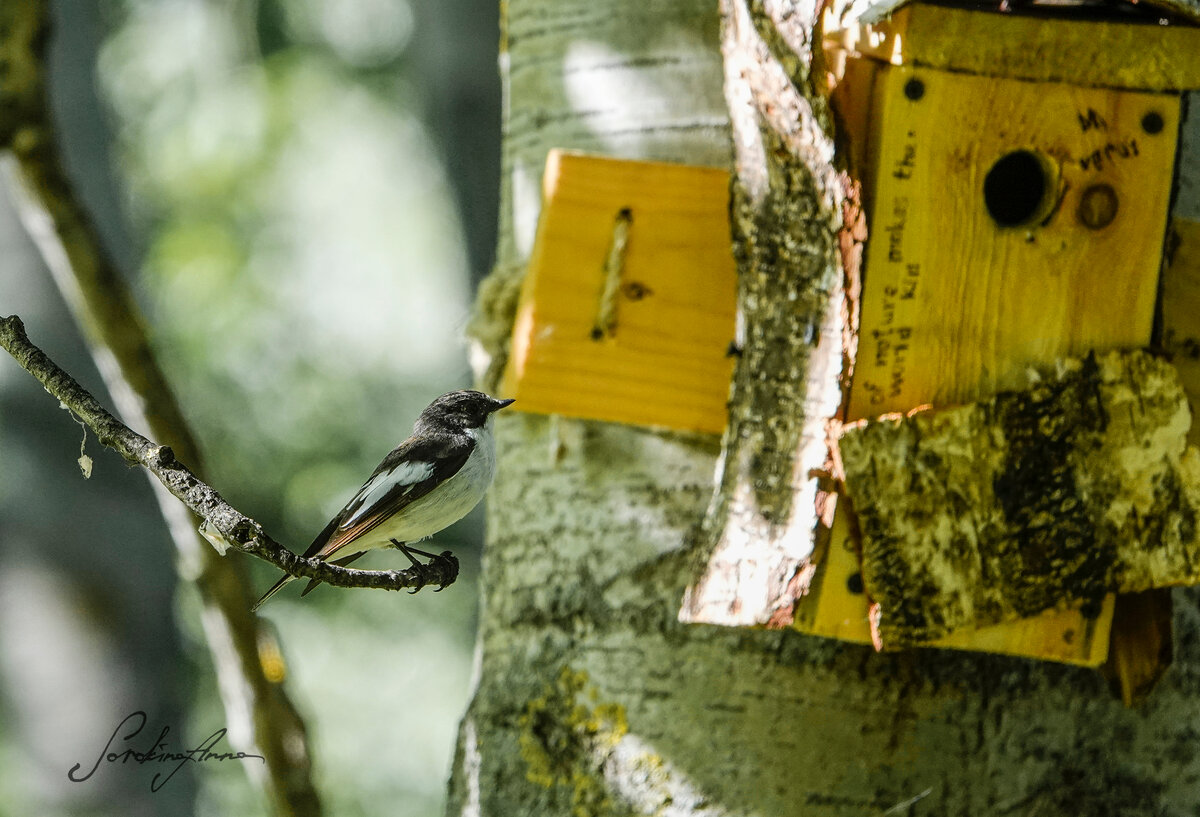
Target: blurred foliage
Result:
[[307, 286], [304, 270]]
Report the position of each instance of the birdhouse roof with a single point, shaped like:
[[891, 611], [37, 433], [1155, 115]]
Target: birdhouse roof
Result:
[[871, 11]]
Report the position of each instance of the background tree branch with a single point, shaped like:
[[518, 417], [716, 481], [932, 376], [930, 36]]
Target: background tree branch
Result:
[[259, 715]]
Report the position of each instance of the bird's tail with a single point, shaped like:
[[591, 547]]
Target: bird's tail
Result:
[[267, 595], [312, 584], [313, 550]]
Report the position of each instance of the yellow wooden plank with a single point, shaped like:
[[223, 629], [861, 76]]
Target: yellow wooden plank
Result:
[[851, 97], [1111, 54], [955, 307], [1181, 311], [658, 356]]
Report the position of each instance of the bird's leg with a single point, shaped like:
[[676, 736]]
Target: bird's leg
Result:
[[444, 556], [416, 565], [423, 552], [407, 551]]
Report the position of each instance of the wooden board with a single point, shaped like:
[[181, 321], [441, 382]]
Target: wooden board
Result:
[[1113, 54], [955, 307], [627, 310], [1181, 310]]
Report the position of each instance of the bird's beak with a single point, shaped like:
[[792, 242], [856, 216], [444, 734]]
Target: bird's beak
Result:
[[502, 403]]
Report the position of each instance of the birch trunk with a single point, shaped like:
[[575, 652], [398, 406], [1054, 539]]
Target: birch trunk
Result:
[[591, 697]]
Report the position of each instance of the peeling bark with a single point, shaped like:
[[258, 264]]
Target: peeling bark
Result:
[[762, 527]]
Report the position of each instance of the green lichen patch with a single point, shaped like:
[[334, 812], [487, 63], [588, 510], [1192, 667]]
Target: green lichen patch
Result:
[[565, 736]]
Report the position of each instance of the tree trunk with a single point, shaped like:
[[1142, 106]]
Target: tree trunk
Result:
[[592, 698]]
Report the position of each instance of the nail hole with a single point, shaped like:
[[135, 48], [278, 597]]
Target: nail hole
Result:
[[1152, 122], [1017, 189], [636, 290], [854, 583], [914, 89]]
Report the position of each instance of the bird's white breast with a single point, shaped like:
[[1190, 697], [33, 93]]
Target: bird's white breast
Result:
[[445, 504]]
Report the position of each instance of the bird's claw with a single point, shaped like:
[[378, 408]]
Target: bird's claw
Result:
[[447, 556], [418, 569]]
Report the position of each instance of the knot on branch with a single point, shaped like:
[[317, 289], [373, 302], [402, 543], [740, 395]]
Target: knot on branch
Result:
[[245, 530]]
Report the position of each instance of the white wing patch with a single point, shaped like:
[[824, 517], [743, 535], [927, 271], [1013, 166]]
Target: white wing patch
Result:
[[406, 473]]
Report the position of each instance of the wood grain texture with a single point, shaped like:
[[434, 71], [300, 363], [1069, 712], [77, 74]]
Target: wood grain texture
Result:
[[1143, 644], [1181, 309], [1111, 54], [955, 306], [1049, 497], [660, 357]]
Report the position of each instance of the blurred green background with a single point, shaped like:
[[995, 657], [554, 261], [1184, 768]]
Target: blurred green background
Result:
[[302, 195]]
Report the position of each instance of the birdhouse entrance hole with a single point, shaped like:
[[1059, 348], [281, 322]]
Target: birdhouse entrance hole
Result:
[[1017, 190]]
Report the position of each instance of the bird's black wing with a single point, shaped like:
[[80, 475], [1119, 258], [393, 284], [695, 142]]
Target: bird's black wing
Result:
[[411, 471]]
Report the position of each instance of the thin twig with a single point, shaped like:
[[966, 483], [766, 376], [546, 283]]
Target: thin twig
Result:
[[240, 531]]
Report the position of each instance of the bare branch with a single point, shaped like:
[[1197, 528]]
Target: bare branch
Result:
[[260, 715], [238, 529]]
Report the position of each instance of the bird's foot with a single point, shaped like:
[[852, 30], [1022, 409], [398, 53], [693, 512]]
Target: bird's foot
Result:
[[449, 571]]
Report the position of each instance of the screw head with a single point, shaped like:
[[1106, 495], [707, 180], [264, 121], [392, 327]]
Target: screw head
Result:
[[914, 89], [1152, 122]]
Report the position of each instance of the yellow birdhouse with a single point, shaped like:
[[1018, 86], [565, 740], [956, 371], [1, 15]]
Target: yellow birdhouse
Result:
[[1022, 198], [1031, 187]]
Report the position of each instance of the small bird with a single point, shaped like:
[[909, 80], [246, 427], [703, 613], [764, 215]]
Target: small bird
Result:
[[427, 483]]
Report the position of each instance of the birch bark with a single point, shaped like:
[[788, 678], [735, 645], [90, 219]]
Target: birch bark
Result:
[[591, 698]]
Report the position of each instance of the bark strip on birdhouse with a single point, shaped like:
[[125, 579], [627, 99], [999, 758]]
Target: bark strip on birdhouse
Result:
[[1049, 497]]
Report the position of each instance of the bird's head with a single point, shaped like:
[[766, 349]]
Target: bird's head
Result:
[[459, 410]]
